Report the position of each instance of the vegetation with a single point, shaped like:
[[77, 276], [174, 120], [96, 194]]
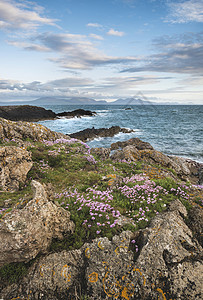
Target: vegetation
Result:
[[98, 193]]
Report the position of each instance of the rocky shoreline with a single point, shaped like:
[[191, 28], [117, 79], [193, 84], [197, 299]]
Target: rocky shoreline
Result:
[[34, 113], [80, 223]]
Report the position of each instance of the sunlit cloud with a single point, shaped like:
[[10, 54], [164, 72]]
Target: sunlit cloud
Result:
[[96, 37], [185, 11], [115, 32], [14, 16], [95, 25]]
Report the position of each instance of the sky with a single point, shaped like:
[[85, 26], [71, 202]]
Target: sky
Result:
[[102, 49]]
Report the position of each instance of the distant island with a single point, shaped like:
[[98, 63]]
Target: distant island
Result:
[[84, 101]]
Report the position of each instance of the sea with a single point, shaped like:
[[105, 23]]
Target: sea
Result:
[[171, 129]]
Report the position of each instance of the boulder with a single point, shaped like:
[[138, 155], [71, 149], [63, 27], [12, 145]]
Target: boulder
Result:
[[15, 163], [28, 231], [103, 153], [22, 131], [25, 113], [162, 261], [137, 143], [92, 133]]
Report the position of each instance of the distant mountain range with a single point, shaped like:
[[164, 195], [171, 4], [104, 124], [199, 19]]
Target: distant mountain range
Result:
[[83, 101]]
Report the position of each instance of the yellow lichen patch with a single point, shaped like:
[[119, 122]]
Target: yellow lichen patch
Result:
[[41, 270], [111, 176], [65, 272], [93, 277], [100, 245], [87, 252], [162, 293]]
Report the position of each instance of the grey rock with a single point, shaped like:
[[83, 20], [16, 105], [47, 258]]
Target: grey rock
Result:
[[21, 131], [28, 231], [15, 163]]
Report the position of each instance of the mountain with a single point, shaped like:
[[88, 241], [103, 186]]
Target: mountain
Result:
[[130, 101], [66, 101]]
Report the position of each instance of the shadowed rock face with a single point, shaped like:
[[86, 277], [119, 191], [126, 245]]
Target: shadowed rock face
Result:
[[167, 265], [76, 113], [34, 113], [92, 133], [25, 113]]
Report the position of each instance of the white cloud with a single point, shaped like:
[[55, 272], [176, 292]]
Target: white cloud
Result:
[[96, 25], [115, 32], [96, 36], [14, 15], [186, 11]]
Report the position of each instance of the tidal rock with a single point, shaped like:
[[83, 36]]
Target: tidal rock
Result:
[[22, 131], [28, 231], [77, 113], [25, 113], [92, 133], [15, 163]]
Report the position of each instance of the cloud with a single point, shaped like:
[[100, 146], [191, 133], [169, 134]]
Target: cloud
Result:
[[64, 84], [15, 15], [74, 51], [179, 54], [186, 11], [130, 82], [96, 37], [95, 25], [115, 32]]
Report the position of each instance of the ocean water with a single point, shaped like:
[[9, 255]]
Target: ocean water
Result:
[[174, 130]]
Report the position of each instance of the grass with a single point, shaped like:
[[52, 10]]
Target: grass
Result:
[[97, 193]]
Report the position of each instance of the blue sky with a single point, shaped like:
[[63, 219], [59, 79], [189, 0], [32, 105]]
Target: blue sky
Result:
[[103, 50]]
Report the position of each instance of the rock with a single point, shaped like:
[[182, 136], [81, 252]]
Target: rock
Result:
[[22, 131], [162, 261], [28, 231], [129, 153], [103, 153], [137, 143], [141, 151], [195, 223], [92, 133], [77, 113], [15, 163], [25, 113]]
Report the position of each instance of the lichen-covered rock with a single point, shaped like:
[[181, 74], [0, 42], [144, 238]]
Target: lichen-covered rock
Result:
[[162, 261], [103, 153], [184, 168], [137, 143], [15, 163], [21, 131], [28, 231]]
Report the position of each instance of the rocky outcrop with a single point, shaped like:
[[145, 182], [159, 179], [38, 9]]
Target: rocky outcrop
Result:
[[78, 113], [25, 113], [137, 150], [162, 261], [137, 143], [34, 113], [22, 131], [28, 231], [92, 133], [15, 163], [102, 153]]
